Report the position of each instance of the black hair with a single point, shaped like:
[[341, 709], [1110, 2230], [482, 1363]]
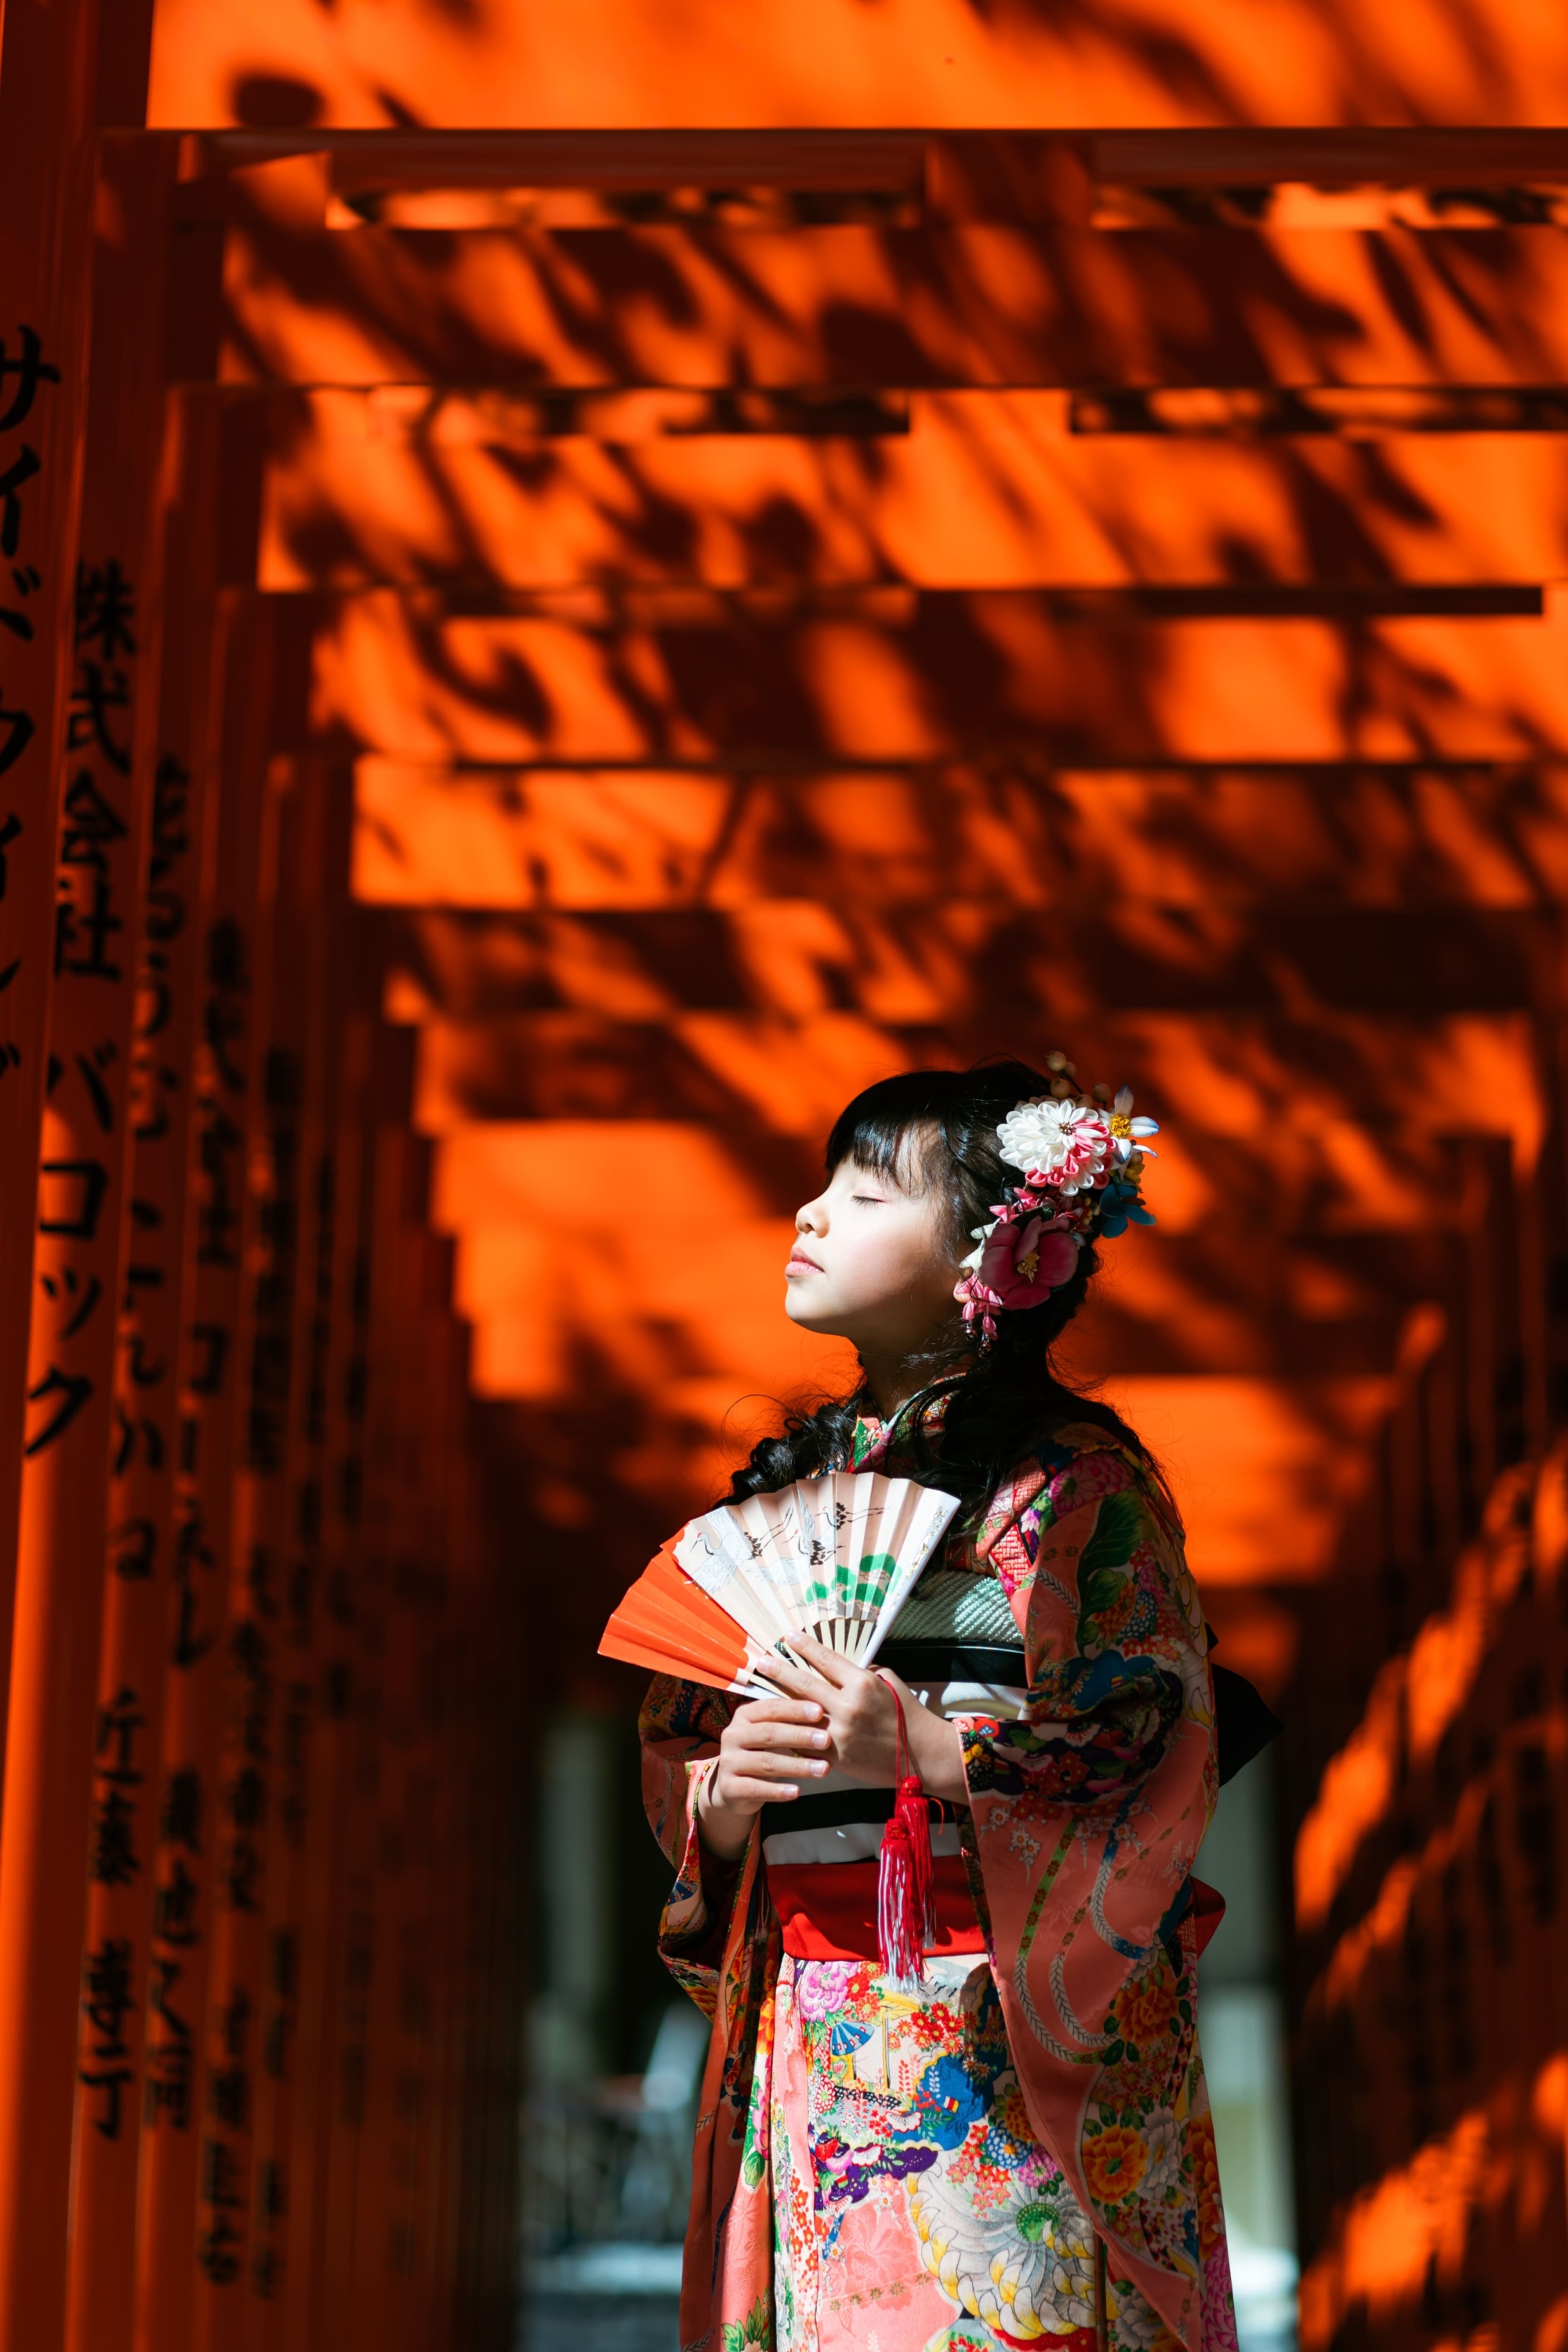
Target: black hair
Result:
[[937, 1129]]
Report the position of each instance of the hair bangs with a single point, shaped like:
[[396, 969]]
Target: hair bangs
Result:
[[891, 1129]]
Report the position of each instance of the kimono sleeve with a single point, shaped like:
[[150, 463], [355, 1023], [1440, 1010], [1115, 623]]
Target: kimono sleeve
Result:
[[680, 1726], [1109, 1635]]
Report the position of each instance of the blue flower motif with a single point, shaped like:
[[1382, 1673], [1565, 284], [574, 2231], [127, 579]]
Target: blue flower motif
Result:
[[948, 2102]]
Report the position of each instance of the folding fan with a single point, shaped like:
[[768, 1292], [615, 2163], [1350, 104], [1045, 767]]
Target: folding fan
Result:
[[834, 1556]]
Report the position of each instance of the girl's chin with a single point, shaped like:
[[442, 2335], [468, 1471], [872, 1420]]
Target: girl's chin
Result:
[[811, 1313]]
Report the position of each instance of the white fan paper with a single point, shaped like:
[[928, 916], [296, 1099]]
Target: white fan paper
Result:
[[835, 1557]]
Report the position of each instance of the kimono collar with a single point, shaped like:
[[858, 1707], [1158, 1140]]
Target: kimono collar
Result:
[[887, 1446]]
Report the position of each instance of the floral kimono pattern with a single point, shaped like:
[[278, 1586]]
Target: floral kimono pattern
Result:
[[1086, 2113]]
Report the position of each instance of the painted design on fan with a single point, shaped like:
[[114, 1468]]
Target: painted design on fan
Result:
[[836, 1556]]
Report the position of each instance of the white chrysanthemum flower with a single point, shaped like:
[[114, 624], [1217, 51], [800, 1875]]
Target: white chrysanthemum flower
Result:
[[1064, 1142], [1135, 2322], [1025, 2265], [1162, 2138], [1127, 1132]]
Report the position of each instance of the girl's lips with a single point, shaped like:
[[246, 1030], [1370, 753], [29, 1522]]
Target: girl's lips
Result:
[[799, 1263]]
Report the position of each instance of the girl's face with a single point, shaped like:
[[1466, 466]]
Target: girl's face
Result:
[[872, 1264]]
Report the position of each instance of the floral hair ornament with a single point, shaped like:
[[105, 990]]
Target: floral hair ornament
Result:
[[1081, 1158]]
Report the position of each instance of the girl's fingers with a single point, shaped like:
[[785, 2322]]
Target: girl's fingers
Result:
[[789, 1763], [803, 1736], [793, 1678], [782, 1710], [759, 1793], [833, 1667]]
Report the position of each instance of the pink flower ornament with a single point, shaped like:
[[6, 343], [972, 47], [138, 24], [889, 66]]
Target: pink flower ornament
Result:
[[1018, 1263], [1080, 1157]]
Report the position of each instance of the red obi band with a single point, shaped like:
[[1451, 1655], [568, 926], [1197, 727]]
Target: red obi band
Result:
[[829, 1909]]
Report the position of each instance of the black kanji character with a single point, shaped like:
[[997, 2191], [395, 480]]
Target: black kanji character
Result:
[[154, 996], [139, 1371], [223, 2181], [212, 1338], [180, 1823], [162, 1979], [132, 1438], [170, 2059], [217, 1211], [99, 692], [72, 1390], [118, 1725], [66, 1286], [219, 2251], [92, 1067], [73, 1220], [90, 825], [19, 732], [30, 369], [10, 826], [229, 2097], [244, 1798], [24, 468], [242, 1876], [174, 1907], [84, 925], [134, 1550], [114, 1861], [168, 2088], [163, 912], [170, 794], [251, 1652], [152, 1085], [109, 1971], [191, 1552], [105, 609], [113, 2081]]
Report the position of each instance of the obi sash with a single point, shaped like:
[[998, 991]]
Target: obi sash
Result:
[[828, 1910]]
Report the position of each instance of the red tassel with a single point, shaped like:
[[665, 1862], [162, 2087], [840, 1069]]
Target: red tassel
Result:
[[905, 1910]]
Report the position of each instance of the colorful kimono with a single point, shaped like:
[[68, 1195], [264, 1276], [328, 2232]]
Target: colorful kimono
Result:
[[926, 2172]]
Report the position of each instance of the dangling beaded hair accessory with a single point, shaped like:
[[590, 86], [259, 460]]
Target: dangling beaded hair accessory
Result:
[[1082, 1157]]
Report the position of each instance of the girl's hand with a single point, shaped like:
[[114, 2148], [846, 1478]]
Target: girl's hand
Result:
[[863, 1722], [769, 1746]]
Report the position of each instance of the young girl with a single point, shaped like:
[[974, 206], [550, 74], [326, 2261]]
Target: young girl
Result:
[[1018, 2151]]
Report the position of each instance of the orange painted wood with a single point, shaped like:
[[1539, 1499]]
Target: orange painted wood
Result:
[[857, 305], [915, 62], [338, 1691], [252, 1777], [983, 489], [568, 841], [371, 1448], [174, 2227], [318, 817], [890, 677], [135, 477], [77, 1772], [46, 61]]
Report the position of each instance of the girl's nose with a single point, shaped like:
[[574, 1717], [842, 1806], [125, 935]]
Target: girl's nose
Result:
[[809, 1219]]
